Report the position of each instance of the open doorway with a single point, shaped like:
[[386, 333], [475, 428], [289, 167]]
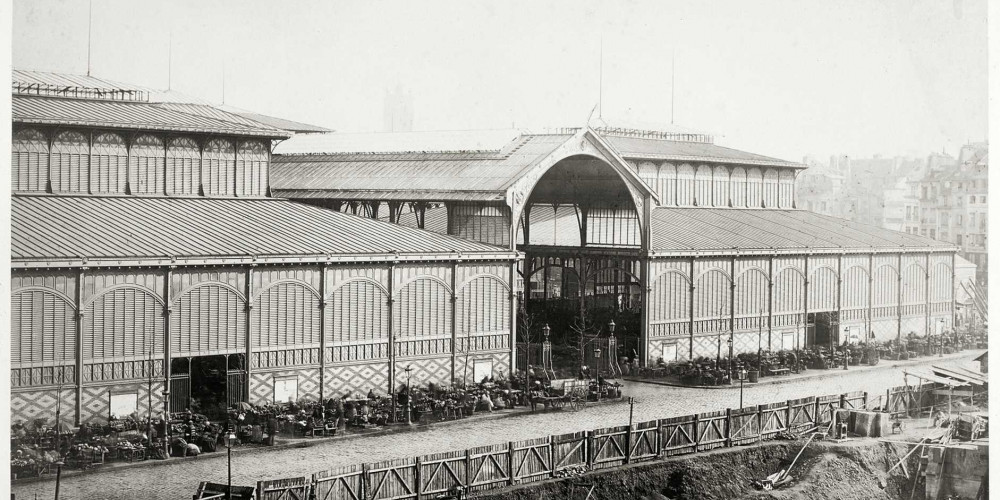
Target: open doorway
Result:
[[207, 384]]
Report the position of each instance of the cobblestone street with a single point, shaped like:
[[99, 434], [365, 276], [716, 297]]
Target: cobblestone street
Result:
[[178, 479]]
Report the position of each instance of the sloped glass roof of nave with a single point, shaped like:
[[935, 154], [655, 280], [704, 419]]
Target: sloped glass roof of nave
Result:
[[129, 227], [723, 229]]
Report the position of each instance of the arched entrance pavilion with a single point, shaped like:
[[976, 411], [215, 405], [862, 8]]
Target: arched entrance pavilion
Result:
[[703, 243]]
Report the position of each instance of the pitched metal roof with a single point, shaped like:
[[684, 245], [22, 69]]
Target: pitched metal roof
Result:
[[281, 123], [641, 148], [41, 83], [47, 82], [440, 175], [130, 115], [476, 165], [720, 229], [69, 229]]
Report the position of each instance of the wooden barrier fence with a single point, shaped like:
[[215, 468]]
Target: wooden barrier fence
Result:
[[517, 462]]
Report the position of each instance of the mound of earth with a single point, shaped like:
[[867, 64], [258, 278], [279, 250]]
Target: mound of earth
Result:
[[853, 470]]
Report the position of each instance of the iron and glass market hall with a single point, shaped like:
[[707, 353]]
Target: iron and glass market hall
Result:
[[163, 246], [151, 267]]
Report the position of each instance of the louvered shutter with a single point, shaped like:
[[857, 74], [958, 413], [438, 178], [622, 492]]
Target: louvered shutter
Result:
[[17, 326], [48, 330]]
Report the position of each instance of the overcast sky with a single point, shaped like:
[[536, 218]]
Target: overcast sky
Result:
[[782, 78]]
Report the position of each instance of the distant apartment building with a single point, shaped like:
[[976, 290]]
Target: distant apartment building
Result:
[[953, 205], [940, 196]]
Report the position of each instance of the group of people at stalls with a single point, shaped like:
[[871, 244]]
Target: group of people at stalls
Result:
[[357, 411], [38, 446], [190, 434]]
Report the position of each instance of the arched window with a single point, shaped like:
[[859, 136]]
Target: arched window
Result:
[[251, 169], [648, 172], [770, 188], [29, 161], [755, 181], [43, 328], [667, 185], [720, 187], [786, 188], [358, 312], [738, 187], [183, 166], [218, 164], [703, 186], [146, 165], [109, 161], [685, 185], [286, 315], [70, 162]]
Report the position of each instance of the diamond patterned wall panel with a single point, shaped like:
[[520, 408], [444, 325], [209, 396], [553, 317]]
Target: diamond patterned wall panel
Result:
[[743, 342], [261, 388], [706, 346], [917, 325], [309, 383], [885, 329], [27, 406], [356, 379], [425, 370], [97, 400]]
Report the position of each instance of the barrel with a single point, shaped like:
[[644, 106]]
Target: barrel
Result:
[[753, 375]]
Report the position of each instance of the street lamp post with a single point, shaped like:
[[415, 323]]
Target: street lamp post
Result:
[[611, 335], [730, 365], [229, 439], [408, 369], [941, 337], [59, 465], [760, 333], [742, 375], [597, 358]]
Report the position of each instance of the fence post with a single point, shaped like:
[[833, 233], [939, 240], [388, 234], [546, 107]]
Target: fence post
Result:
[[590, 449], [729, 427], [659, 438], [887, 407], [817, 419], [468, 469], [363, 483], [510, 463], [788, 415], [760, 423], [864, 400], [416, 478], [552, 458], [843, 401], [628, 445], [697, 433]]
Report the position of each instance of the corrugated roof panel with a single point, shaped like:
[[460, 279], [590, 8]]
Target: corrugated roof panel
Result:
[[642, 148], [280, 123], [408, 172], [682, 229], [214, 113], [125, 115], [371, 195], [67, 227]]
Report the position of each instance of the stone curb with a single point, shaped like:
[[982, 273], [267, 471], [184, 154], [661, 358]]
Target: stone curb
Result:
[[815, 375]]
